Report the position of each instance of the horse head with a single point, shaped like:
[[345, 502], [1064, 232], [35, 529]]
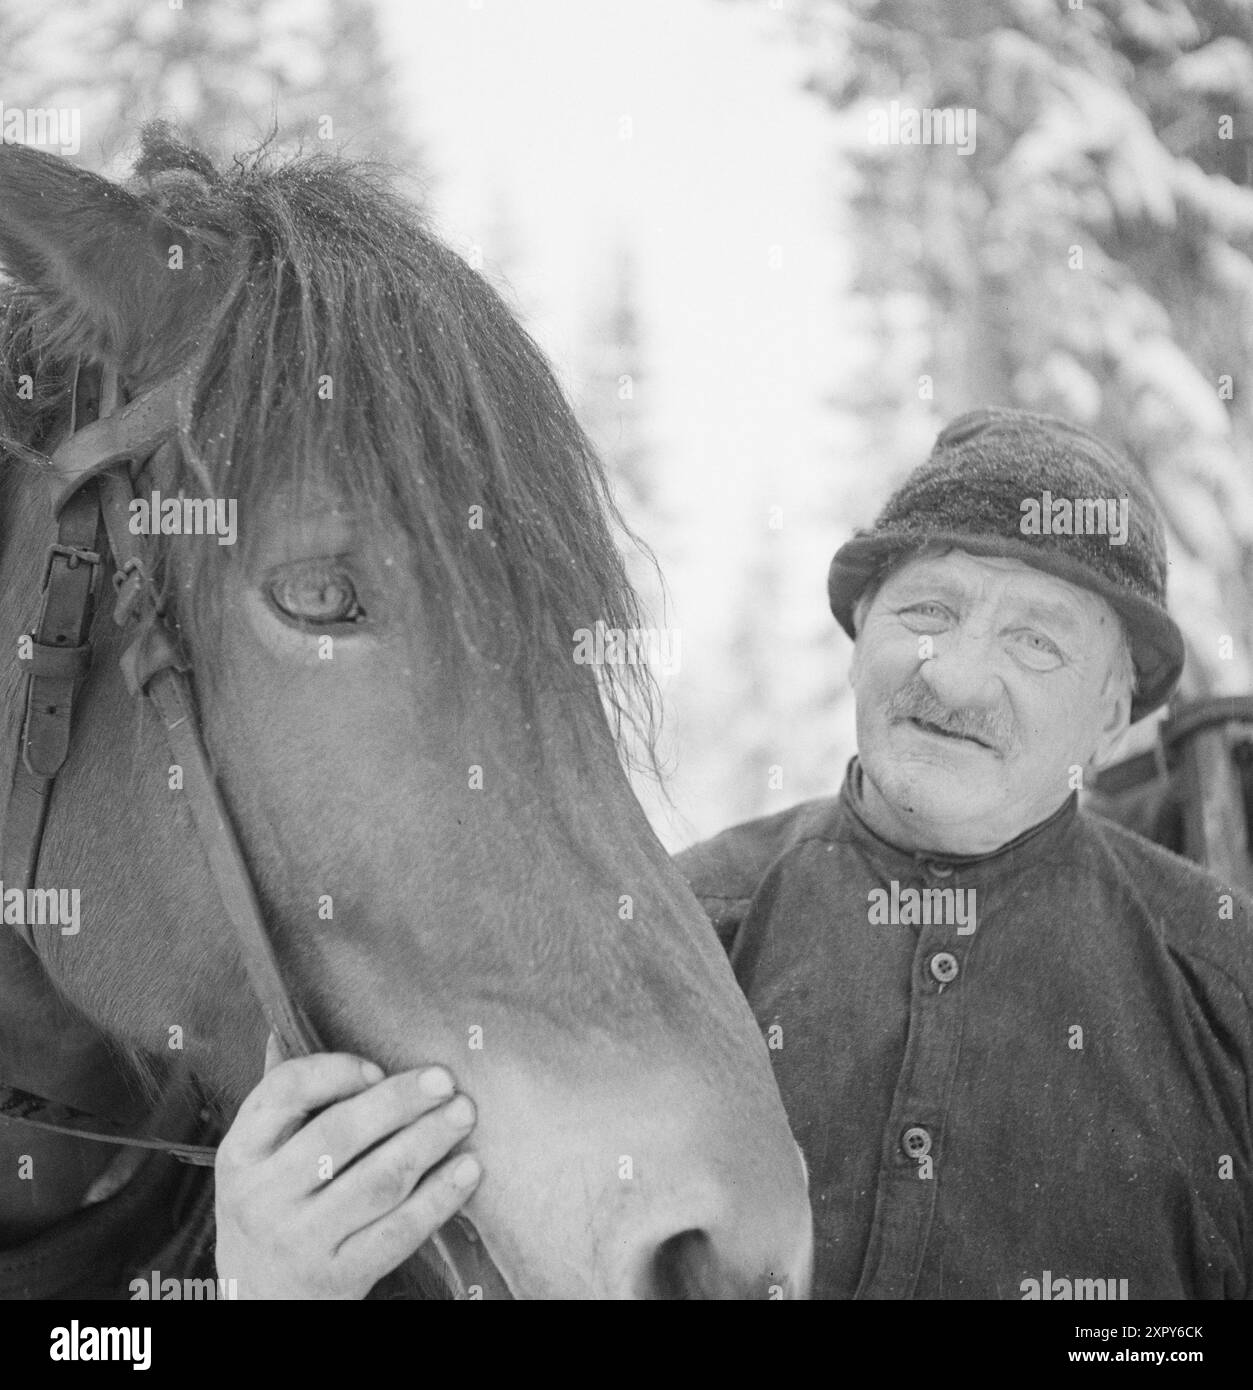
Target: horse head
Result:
[[426, 785]]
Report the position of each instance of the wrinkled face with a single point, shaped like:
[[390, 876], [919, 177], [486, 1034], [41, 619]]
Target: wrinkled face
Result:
[[984, 690]]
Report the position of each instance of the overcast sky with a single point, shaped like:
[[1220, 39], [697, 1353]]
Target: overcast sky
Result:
[[521, 108]]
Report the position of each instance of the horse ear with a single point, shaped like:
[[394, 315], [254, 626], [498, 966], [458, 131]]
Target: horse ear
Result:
[[120, 282]]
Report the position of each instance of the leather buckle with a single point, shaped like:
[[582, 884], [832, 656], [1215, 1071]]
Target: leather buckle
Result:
[[131, 582], [153, 648], [74, 555]]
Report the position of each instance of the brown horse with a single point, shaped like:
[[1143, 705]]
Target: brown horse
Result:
[[426, 785]]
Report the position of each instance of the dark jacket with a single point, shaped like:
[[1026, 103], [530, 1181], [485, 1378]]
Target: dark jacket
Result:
[[1060, 1095]]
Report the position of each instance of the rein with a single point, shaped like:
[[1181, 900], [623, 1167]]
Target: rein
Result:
[[91, 496], [92, 488]]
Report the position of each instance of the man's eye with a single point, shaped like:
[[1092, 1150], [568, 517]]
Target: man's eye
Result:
[[1038, 651], [925, 617], [316, 593]]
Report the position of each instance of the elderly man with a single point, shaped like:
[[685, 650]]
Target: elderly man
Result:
[[1014, 1040]]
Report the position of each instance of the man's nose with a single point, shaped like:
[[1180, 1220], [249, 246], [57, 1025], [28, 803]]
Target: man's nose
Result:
[[962, 669]]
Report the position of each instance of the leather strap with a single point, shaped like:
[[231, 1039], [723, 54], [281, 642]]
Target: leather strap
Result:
[[153, 665], [30, 1109], [1205, 714], [91, 512], [64, 624], [117, 437], [168, 690], [60, 658], [1186, 721]]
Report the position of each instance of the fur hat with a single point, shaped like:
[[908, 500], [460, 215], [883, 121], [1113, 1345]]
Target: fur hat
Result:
[[1037, 489]]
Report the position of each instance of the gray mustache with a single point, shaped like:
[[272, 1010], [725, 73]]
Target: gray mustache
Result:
[[918, 701]]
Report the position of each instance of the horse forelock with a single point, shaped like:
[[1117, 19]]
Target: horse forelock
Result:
[[439, 403], [352, 350]]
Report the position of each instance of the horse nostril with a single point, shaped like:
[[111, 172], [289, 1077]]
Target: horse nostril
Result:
[[682, 1267], [687, 1266]]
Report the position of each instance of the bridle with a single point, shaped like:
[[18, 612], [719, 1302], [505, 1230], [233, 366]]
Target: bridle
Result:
[[92, 482]]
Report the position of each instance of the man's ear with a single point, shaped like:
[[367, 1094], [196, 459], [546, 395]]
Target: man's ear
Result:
[[1116, 707], [119, 282], [865, 601], [854, 665]]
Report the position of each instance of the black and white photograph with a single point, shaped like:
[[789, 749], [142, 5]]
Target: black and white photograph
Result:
[[626, 666]]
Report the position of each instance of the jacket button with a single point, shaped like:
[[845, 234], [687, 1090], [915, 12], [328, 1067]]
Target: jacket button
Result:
[[944, 967], [938, 869], [916, 1142]]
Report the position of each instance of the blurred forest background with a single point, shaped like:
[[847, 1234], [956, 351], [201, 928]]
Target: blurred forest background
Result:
[[1091, 256]]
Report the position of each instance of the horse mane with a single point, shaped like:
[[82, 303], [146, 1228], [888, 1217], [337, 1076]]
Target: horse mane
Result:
[[441, 403]]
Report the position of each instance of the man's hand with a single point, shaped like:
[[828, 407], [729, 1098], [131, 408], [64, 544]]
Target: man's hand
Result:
[[303, 1210]]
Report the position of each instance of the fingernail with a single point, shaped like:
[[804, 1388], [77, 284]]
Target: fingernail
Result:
[[467, 1171], [460, 1112], [435, 1082], [372, 1072]]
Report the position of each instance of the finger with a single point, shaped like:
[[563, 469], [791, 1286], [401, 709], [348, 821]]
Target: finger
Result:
[[343, 1133], [285, 1098], [273, 1052], [389, 1241], [382, 1179]]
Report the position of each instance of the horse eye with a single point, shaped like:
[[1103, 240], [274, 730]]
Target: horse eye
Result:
[[316, 593]]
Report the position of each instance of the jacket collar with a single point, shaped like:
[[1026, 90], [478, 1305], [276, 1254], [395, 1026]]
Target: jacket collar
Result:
[[1034, 843]]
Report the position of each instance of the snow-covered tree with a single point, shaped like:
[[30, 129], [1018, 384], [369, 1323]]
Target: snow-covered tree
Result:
[[612, 404], [226, 74], [1089, 253]]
